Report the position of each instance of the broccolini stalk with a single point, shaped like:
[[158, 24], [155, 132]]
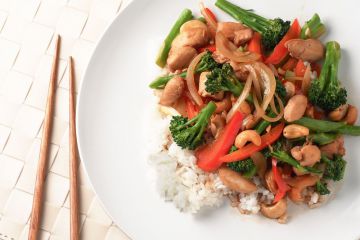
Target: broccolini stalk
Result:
[[272, 30], [322, 126], [207, 63], [189, 133], [286, 158], [313, 28], [326, 92], [185, 16], [323, 138]]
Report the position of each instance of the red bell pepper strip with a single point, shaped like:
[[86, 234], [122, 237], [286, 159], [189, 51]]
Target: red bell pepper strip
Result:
[[208, 157], [300, 69], [210, 47], [245, 152], [191, 109], [282, 186], [280, 51], [255, 44], [211, 14], [290, 64]]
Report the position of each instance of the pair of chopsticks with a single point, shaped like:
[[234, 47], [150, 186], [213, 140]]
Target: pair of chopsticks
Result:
[[38, 200]]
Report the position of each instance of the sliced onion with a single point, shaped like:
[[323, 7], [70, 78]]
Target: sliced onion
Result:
[[280, 115], [190, 81], [256, 83], [269, 83], [259, 111], [307, 80], [241, 99], [294, 78], [273, 107], [209, 20], [273, 69], [223, 46]]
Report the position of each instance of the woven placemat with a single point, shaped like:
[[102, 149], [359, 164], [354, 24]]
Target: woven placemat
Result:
[[27, 28]]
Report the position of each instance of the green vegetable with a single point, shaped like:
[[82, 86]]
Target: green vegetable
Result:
[[272, 30], [277, 146], [261, 126], [282, 156], [246, 167], [223, 79], [326, 92], [321, 188], [322, 126], [185, 16], [323, 138], [280, 90], [207, 63], [335, 168], [202, 19], [189, 133], [313, 28]]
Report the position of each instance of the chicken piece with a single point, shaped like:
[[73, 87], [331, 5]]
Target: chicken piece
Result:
[[202, 88], [336, 147], [242, 36], [172, 91], [180, 58], [195, 37], [229, 29]]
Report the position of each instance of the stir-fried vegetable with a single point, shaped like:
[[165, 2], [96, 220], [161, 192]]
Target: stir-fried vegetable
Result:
[[313, 28], [189, 133], [209, 156], [207, 63], [326, 92], [281, 184], [247, 167], [321, 188], [284, 157], [335, 168], [323, 126], [223, 79], [272, 30], [245, 152], [185, 16]]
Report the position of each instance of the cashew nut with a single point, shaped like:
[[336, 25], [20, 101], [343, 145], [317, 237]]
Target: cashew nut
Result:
[[260, 163], [245, 108], [296, 153], [247, 136], [295, 131], [310, 50], [217, 123], [274, 211], [202, 88], [270, 182], [290, 89], [250, 121], [295, 108], [299, 184], [310, 111], [310, 155], [235, 181], [351, 115], [339, 113], [172, 91]]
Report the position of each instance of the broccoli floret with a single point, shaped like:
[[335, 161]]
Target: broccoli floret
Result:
[[189, 133], [246, 167], [277, 146], [272, 30], [321, 188], [313, 28], [335, 168], [326, 92], [223, 79]]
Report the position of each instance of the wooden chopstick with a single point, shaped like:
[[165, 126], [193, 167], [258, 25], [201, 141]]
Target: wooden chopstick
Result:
[[74, 163], [44, 148]]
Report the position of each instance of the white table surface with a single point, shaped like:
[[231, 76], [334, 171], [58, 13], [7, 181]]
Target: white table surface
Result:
[[27, 28]]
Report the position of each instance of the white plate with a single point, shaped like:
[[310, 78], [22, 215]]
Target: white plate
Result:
[[111, 115]]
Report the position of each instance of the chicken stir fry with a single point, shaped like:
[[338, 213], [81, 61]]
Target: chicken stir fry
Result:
[[255, 100]]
